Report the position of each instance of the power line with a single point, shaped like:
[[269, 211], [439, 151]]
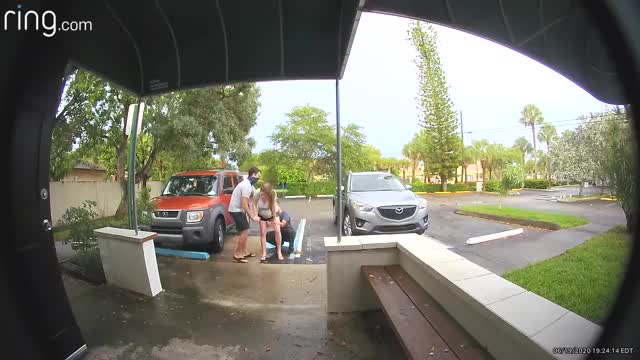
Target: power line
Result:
[[560, 123]]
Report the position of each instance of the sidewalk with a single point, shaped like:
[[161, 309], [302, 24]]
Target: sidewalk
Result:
[[64, 251], [217, 309]]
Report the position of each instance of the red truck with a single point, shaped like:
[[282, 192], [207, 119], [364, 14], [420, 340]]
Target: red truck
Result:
[[193, 209]]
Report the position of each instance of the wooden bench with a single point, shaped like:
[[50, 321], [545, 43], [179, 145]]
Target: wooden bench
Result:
[[425, 330]]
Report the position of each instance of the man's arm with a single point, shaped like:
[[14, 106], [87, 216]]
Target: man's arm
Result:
[[247, 209], [245, 194]]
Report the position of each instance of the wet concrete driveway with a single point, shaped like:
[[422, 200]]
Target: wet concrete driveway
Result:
[[220, 310]]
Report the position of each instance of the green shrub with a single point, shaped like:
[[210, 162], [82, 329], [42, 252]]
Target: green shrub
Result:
[[459, 187], [310, 188], [492, 186], [512, 178], [144, 207], [536, 184], [429, 188], [79, 220]]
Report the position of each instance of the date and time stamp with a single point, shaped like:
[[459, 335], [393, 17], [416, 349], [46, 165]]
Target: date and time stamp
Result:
[[592, 350]]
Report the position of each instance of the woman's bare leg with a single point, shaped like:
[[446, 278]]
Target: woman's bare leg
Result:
[[263, 238], [278, 234]]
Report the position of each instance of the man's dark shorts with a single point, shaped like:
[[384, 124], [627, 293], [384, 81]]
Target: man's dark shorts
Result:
[[240, 218]]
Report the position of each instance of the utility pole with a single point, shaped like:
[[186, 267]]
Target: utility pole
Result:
[[464, 168]]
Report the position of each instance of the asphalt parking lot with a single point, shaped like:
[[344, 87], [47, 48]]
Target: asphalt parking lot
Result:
[[453, 230]]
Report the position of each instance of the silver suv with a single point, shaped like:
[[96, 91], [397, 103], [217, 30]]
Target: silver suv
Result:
[[378, 203]]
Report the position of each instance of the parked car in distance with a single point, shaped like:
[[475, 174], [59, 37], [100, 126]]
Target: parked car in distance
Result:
[[193, 209], [378, 203]]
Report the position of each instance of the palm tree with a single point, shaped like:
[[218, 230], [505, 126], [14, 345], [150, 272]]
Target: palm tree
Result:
[[524, 146], [547, 134], [468, 157], [404, 164], [478, 150], [531, 116], [411, 151]]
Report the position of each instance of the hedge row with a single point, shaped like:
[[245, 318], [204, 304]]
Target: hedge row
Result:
[[543, 184], [308, 188], [329, 188], [430, 188], [536, 184]]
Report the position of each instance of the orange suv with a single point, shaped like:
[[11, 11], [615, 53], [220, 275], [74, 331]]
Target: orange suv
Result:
[[193, 209]]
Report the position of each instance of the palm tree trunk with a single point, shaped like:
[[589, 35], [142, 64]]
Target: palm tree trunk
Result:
[[413, 170], [533, 136]]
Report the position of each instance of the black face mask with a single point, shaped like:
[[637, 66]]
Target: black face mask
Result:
[[253, 180]]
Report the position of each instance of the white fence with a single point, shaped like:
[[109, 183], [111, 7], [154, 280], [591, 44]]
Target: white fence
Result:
[[106, 194]]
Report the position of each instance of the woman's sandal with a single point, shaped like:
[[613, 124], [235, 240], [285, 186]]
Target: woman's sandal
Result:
[[249, 255], [280, 258], [263, 259], [240, 259]]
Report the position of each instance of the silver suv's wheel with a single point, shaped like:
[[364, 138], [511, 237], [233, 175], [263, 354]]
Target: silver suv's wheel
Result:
[[346, 224]]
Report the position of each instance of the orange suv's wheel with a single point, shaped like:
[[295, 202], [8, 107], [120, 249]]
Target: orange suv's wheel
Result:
[[218, 236]]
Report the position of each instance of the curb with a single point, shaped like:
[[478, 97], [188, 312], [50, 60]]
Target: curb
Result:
[[196, 255], [443, 192], [585, 200], [305, 197], [509, 220], [79, 272]]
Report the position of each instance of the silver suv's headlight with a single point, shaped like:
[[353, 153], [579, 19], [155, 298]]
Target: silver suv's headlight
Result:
[[195, 216], [360, 206], [423, 204]]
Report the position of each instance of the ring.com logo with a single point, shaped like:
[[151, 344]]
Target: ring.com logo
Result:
[[46, 21]]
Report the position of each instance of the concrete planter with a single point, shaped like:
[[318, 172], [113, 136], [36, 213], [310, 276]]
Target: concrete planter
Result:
[[129, 260], [509, 321]]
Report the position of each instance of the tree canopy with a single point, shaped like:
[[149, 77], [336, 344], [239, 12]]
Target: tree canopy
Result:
[[438, 117], [530, 117]]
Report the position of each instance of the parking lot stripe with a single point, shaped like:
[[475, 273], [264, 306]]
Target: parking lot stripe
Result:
[[297, 243], [496, 236]]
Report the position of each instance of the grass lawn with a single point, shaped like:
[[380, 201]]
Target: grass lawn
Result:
[[563, 220], [61, 233], [584, 279]]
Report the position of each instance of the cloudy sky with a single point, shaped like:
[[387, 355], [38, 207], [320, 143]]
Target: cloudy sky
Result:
[[489, 84]]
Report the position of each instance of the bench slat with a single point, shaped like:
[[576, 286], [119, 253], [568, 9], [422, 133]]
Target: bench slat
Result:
[[416, 335], [458, 339]]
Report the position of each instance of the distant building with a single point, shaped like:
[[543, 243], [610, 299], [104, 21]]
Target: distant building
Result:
[[474, 172], [86, 171]]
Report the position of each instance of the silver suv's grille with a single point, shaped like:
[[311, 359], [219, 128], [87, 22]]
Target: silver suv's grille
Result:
[[398, 212]]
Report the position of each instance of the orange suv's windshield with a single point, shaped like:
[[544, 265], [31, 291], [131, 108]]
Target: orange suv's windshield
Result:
[[191, 185]]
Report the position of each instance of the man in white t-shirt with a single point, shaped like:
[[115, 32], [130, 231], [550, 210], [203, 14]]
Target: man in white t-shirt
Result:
[[239, 209]]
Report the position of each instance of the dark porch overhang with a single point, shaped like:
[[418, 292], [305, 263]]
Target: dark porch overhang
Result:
[[155, 46]]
